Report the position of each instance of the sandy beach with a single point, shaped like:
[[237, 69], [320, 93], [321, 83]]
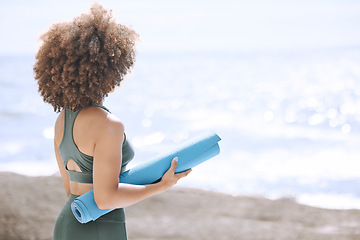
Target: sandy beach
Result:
[[29, 207]]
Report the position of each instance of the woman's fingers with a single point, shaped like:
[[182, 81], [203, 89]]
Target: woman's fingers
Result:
[[171, 171], [183, 174], [174, 163], [170, 178]]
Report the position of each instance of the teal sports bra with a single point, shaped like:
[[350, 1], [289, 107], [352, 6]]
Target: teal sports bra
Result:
[[69, 151]]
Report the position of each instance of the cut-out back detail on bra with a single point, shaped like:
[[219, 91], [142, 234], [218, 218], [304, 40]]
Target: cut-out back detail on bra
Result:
[[69, 151]]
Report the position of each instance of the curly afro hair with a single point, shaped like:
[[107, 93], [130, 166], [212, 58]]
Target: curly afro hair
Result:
[[80, 62]]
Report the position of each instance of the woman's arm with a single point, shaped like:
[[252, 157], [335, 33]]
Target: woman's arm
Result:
[[58, 134], [63, 172], [108, 192]]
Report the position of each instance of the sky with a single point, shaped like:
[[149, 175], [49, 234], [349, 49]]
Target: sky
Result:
[[187, 25]]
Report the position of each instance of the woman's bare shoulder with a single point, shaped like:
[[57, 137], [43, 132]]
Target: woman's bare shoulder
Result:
[[101, 121], [59, 128]]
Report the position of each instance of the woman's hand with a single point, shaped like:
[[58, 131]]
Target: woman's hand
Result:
[[170, 178]]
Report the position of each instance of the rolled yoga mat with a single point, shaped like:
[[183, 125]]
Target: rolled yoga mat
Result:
[[190, 154]]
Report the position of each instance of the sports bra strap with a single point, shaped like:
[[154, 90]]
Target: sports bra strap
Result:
[[101, 106]]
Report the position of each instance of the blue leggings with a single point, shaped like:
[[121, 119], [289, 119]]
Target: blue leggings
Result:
[[110, 226]]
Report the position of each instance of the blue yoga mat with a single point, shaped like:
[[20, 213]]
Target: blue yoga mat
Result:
[[190, 154]]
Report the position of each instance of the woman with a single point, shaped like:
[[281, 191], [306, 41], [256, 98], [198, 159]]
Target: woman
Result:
[[78, 64]]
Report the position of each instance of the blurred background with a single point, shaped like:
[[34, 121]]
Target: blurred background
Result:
[[279, 81]]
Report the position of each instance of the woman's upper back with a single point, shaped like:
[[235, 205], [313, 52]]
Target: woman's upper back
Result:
[[76, 135]]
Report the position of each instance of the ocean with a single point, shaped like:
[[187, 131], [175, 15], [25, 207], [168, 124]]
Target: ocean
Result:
[[289, 119]]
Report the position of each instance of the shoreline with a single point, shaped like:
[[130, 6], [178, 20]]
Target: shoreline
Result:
[[203, 214]]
